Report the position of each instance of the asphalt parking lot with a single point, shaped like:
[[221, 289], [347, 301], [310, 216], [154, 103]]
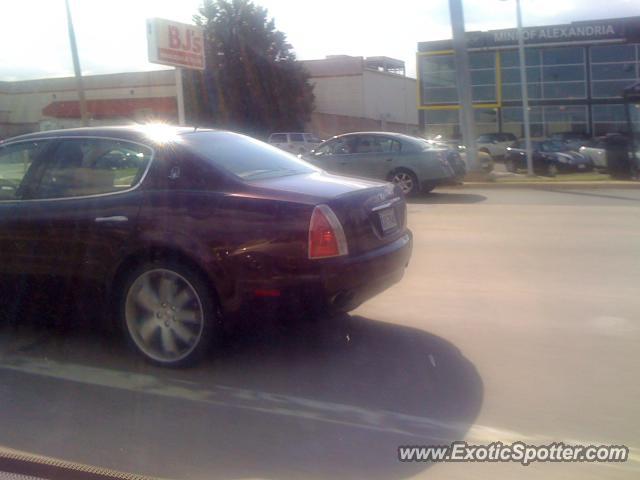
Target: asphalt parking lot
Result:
[[517, 319]]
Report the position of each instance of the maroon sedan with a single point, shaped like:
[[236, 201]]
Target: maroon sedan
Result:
[[185, 227]]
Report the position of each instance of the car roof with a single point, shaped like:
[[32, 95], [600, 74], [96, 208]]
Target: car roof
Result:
[[399, 136], [125, 132]]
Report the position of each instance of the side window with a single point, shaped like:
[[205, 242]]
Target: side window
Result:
[[366, 144], [311, 138], [386, 145], [296, 137], [344, 146], [80, 167], [325, 149], [15, 167]]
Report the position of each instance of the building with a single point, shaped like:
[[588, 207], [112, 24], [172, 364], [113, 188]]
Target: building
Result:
[[575, 73], [352, 93], [357, 94], [33, 105]]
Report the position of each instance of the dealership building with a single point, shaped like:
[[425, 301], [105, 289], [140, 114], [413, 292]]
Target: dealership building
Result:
[[576, 74]]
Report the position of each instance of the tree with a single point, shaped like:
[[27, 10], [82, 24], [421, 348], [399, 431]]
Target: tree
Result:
[[252, 82]]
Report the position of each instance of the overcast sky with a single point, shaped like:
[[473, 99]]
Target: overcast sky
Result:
[[111, 33]]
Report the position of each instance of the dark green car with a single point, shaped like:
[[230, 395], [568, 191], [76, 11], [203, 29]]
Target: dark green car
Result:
[[414, 164]]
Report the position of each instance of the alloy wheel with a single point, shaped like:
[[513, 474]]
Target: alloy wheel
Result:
[[164, 315], [404, 181]]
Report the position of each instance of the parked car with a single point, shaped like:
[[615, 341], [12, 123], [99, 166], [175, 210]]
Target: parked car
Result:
[[596, 151], [485, 160], [414, 164], [550, 157], [294, 142], [495, 144], [611, 153], [207, 226], [573, 140]]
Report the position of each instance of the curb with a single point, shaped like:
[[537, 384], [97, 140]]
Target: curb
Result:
[[550, 185]]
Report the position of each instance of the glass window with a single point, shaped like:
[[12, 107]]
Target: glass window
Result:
[[609, 88], [243, 156], [440, 95], [296, 137], [437, 63], [483, 77], [278, 138], [512, 75], [564, 90], [15, 161], [385, 145], [615, 113], [563, 73], [443, 116], [514, 114], [613, 53], [486, 94], [485, 115], [513, 91], [482, 60], [80, 167], [563, 56], [311, 138], [511, 58], [613, 71], [442, 78], [565, 113]]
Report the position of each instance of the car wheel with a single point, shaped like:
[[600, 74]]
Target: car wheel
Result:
[[510, 165], [552, 170], [406, 180], [168, 313]]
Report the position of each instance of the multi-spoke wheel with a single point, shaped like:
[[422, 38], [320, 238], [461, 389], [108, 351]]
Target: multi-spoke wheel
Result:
[[406, 180], [168, 314]]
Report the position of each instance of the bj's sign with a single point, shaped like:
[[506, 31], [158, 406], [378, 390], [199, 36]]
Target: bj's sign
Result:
[[174, 43]]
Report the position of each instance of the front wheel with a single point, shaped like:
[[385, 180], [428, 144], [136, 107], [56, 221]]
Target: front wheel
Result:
[[406, 180], [167, 313]]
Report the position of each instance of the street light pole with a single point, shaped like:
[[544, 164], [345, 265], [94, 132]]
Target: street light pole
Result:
[[467, 121], [76, 68], [525, 92]]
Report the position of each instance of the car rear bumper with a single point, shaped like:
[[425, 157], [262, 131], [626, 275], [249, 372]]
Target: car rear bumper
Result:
[[333, 285]]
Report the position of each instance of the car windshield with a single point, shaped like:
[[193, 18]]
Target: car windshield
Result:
[[244, 157], [554, 146]]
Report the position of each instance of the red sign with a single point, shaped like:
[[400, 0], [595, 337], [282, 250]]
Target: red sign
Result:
[[176, 44]]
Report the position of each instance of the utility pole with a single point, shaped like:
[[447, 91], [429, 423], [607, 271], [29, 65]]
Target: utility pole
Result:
[[463, 82], [525, 92], [76, 68]]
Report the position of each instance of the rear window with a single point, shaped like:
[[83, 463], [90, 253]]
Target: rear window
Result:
[[296, 137], [278, 138], [243, 156]]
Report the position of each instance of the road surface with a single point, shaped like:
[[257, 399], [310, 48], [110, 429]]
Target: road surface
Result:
[[518, 319]]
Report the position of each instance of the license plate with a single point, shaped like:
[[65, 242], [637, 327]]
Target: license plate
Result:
[[388, 219]]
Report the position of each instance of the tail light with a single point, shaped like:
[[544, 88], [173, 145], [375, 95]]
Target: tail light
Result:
[[326, 237]]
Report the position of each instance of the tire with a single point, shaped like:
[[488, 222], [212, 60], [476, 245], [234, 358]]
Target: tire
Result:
[[406, 180], [167, 313], [510, 165]]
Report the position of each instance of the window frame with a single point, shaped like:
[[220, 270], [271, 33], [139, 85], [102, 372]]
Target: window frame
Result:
[[56, 140], [34, 182]]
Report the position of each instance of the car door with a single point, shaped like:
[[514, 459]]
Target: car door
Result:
[[334, 156], [19, 228], [87, 201], [371, 158]]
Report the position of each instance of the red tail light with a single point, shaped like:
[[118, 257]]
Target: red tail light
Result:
[[326, 237]]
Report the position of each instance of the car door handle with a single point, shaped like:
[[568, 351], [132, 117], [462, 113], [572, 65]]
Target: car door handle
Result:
[[114, 219]]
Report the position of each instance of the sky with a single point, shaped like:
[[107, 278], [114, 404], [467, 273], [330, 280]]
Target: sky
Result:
[[111, 33]]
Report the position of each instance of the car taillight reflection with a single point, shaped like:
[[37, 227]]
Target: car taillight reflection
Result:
[[326, 236]]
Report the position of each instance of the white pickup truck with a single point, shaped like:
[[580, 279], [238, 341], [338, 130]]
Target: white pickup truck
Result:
[[495, 144]]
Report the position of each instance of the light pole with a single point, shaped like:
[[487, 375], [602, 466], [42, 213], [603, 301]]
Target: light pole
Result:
[[76, 68], [524, 91], [461, 56]]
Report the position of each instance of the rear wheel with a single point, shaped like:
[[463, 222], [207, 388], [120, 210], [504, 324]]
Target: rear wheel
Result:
[[406, 180], [168, 313]]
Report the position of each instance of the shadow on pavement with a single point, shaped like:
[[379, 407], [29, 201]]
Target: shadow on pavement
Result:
[[447, 198], [330, 399]]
